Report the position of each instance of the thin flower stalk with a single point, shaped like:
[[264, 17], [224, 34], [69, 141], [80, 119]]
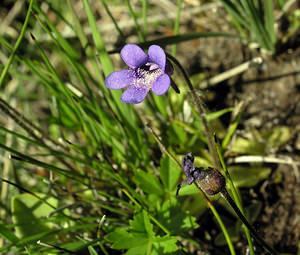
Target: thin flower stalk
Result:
[[202, 113], [209, 134]]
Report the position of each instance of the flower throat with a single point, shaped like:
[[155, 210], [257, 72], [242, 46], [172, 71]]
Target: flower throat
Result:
[[146, 75]]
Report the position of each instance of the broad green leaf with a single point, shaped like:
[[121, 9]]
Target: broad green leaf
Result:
[[189, 190], [148, 182], [177, 132], [261, 143], [243, 145], [169, 173], [161, 104], [29, 214], [248, 176], [277, 137]]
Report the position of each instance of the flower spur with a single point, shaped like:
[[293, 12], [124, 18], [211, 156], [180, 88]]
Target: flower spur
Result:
[[146, 72]]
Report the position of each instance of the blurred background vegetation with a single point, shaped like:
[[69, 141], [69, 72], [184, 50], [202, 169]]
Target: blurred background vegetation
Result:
[[83, 173]]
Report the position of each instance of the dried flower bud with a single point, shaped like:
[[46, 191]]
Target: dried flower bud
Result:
[[211, 181]]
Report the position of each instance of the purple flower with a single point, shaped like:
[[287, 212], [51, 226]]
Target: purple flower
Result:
[[146, 72]]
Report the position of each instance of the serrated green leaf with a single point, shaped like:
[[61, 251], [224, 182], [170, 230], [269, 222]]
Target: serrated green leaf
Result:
[[138, 250], [8, 234], [140, 239], [189, 222], [173, 217], [141, 224], [165, 245], [29, 213], [122, 239]]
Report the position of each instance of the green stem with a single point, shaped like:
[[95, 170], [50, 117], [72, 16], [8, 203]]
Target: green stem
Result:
[[220, 222], [236, 196], [254, 233], [202, 112], [19, 40]]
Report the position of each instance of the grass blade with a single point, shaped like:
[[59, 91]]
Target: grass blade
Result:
[[269, 19], [104, 3], [177, 23], [137, 26], [18, 43], [144, 14], [99, 42]]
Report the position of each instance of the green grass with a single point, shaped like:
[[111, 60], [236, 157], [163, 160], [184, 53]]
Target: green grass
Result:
[[81, 170], [254, 19]]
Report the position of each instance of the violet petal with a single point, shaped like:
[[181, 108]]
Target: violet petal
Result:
[[190, 180], [157, 55], [133, 55], [119, 79], [134, 95], [161, 85]]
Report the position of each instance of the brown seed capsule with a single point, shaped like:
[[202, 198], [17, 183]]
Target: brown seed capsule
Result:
[[210, 180]]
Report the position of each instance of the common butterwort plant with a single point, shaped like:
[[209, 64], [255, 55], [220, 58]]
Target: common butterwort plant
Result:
[[146, 72]]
